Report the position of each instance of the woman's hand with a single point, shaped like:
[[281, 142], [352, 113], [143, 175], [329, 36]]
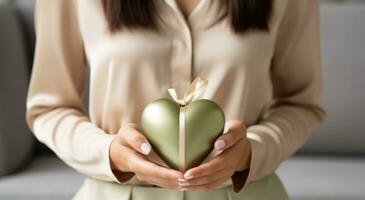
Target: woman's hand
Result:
[[235, 157], [127, 155]]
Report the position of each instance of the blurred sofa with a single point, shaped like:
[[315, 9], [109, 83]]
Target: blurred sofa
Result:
[[331, 166]]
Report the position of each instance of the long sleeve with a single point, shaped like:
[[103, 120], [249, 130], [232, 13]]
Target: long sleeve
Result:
[[296, 110], [55, 112]]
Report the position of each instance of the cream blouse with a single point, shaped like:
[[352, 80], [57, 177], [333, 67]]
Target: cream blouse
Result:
[[269, 80]]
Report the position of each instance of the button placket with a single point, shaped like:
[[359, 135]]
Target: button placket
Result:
[[182, 55]]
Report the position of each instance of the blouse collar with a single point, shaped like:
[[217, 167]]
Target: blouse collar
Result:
[[197, 9], [203, 15]]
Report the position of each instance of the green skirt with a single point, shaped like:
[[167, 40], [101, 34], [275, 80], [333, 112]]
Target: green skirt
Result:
[[267, 188]]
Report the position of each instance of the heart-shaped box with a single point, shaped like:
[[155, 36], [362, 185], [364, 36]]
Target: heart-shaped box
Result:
[[183, 132]]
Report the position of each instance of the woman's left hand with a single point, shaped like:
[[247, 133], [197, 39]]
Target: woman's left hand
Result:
[[235, 157]]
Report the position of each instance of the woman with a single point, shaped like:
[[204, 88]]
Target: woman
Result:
[[262, 61]]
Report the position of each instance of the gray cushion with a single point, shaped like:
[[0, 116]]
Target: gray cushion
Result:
[[343, 52], [15, 138], [46, 178], [324, 178], [25, 9]]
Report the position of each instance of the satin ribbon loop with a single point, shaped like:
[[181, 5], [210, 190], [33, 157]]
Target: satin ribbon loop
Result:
[[194, 91]]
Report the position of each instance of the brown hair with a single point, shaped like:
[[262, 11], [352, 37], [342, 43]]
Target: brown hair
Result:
[[244, 14]]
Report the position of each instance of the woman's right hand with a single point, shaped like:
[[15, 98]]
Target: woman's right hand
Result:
[[127, 155]]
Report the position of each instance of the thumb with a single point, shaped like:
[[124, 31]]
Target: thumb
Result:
[[137, 140]]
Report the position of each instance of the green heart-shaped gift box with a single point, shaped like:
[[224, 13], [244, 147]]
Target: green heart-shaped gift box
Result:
[[204, 123]]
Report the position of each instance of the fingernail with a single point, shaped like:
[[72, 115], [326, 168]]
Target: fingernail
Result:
[[184, 184], [145, 148], [220, 144], [181, 180]]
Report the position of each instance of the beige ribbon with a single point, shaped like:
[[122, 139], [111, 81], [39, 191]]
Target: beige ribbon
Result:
[[194, 91]]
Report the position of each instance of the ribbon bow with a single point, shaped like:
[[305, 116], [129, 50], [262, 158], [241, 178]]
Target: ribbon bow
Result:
[[194, 91]]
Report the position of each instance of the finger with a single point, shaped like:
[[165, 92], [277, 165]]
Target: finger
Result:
[[135, 139], [207, 179], [155, 158], [140, 165], [229, 138], [158, 175], [208, 168], [160, 182], [165, 183], [209, 186]]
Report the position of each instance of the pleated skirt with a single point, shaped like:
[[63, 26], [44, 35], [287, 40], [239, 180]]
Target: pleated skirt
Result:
[[269, 188]]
